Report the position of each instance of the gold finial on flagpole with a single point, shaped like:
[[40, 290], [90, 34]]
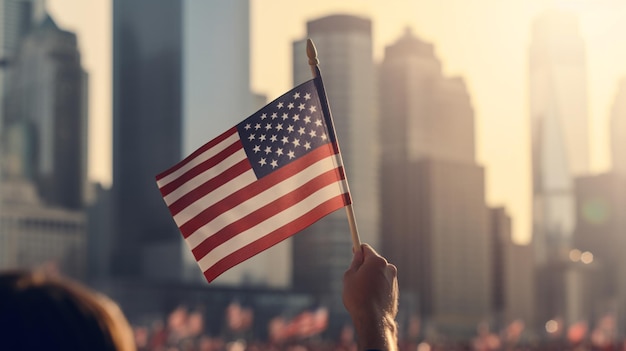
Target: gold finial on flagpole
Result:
[[311, 52]]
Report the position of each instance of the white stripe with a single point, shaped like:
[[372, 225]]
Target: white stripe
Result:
[[213, 197], [259, 231], [205, 176], [254, 203], [199, 159]]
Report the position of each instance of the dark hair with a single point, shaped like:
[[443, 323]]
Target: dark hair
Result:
[[39, 312]]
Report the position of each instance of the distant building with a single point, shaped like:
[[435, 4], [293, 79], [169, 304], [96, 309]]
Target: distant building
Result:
[[46, 140], [147, 135], [571, 287], [560, 152], [181, 77], [37, 236], [559, 127], [322, 252], [600, 229], [513, 274], [17, 17], [434, 217], [618, 129]]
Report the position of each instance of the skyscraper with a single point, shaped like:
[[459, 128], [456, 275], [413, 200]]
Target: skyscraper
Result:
[[16, 18], [178, 82], [147, 133], [44, 146], [215, 69], [46, 115], [559, 127], [434, 214], [344, 43]]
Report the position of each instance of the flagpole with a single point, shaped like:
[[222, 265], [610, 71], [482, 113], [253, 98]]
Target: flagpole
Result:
[[311, 52]]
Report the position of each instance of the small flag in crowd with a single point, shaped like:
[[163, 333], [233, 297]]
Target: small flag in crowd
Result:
[[258, 183]]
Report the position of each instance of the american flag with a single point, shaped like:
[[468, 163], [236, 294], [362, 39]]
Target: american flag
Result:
[[258, 183]]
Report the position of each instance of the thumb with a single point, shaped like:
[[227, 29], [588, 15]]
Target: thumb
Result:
[[357, 259]]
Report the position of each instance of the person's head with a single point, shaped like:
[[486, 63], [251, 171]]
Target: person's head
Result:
[[38, 312]]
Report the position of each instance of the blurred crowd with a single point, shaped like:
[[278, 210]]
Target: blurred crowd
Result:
[[184, 330]]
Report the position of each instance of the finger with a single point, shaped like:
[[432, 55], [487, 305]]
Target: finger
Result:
[[392, 270]]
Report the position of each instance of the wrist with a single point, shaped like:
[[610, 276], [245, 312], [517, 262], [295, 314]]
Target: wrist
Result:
[[378, 334]]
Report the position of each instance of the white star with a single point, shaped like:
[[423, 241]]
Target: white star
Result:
[[296, 142], [318, 122], [268, 150], [291, 154], [274, 163], [268, 126], [307, 96], [262, 137], [285, 140], [290, 106], [307, 145], [323, 136], [262, 162], [257, 126], [264, 116], [296, 95], [256, 148], [313, 133], [279, 151], [273, 138], [284, 116], [301, 107], [251, 137], [301, 130], [312, 108], [279, 126], [307, 119], [274, 115], [290, 128], [280, 105], [296, 117], [247, 126]]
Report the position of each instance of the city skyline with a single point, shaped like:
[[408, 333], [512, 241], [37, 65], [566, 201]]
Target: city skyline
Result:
[[486, 43]]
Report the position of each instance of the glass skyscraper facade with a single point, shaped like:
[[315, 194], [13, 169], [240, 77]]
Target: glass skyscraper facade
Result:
[[322, 252]]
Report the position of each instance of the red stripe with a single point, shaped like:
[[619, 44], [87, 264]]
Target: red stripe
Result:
[[253, 189], [196, 153], [200, 168], [267, 211], [213, 183], [274, 237]]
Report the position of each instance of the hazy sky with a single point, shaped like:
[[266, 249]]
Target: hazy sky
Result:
[[484, 41]]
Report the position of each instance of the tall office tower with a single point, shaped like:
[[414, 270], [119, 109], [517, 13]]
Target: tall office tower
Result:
[[147, 138], [559, 127], [344, 44], [618, 129], [46, 116], [434, 216], [215, 70], [17, 17], [178, 82]]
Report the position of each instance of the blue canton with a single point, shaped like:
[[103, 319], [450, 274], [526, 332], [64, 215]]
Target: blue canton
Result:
[[284, 130]]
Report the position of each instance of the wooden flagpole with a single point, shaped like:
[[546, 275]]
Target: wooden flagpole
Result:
[[311, 52]]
